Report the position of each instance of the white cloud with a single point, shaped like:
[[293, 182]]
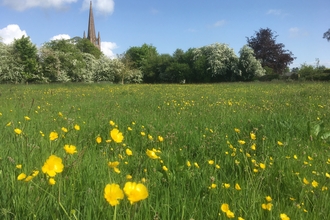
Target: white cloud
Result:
[[100, 6], [11, 32], [295, 32], [154, 11], [60, 37], [219, 23], [107, 48], [274, 12], [21, 5]]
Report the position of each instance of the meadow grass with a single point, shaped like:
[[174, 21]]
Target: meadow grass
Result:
[[261, 148]]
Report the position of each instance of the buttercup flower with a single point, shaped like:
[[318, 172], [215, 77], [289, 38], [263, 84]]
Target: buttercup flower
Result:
[[35, 173], [116, 135], [268, 198], [237, 186], [51, 181], [230, 214], [279, 143], [113, 164], [267, 206], [52, 166], [19, 166], [112, 193], [152, 154], [21, 176], [129, 152], [53, 136], [112, 123], [315, 184], [70, 149], [64, 129], [135, 191], [27, 118], [188, 163], [164, 168], [241, 142], [224, 207], [253, 136], [160, 138], [262, 166], [77, 127], [17, 131], [284, 217], [237, 130], [27, 179], [98, 139]]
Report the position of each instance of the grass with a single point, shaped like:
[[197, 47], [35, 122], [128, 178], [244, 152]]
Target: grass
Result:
[[201, 125]]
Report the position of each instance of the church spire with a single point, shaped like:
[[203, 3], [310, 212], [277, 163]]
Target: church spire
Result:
[[91, 29]]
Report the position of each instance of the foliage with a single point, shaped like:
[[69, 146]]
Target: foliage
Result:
[[85, 46], [221, 61], [326, 35], [10, 70], [26, 54], [270, 53], [249, 66]]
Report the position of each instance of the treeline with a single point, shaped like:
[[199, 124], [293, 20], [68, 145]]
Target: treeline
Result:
[[78, 60]]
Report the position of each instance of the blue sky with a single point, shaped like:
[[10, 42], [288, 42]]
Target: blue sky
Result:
[[172, 24]]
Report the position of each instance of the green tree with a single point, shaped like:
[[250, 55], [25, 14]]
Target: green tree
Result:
[[249, 65], [144, 58], [85, 46], [26, 54]]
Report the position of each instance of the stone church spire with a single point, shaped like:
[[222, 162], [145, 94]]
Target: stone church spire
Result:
[[91, 29]]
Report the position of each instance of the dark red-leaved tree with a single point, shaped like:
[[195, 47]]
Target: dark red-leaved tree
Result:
[[271, 54]]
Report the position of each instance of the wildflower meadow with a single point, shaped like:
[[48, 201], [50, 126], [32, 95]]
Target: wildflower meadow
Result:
[[216, 151]]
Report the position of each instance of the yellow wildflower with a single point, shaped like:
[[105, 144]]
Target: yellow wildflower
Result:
[[53, 136], [116, 135], [17, 131], [52, 166], [70, 149], [21, 176], [112, 193], [135, 191], [98, 139], [129, 152]]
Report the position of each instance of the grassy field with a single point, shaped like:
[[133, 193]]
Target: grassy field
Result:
[[220, 151]]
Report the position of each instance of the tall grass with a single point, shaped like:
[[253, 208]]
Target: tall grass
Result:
[[204, 126]]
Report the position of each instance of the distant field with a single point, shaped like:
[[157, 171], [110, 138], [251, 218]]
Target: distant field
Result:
[[263, 149]]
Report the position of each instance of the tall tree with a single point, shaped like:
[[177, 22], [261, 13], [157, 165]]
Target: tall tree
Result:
[[326, 35], [26, 54], [271, 54]]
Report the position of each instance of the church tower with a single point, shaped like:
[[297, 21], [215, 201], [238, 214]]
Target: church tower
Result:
[[91, 30]]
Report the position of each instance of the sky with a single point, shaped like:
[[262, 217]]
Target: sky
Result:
[[174, 24]]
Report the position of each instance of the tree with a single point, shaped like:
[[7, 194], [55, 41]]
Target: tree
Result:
[[26, 54], [71, 59], [271, 54], [249, 65], [144, 58], [10, 70], [326, 35], [85, 46], [221, 61]]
